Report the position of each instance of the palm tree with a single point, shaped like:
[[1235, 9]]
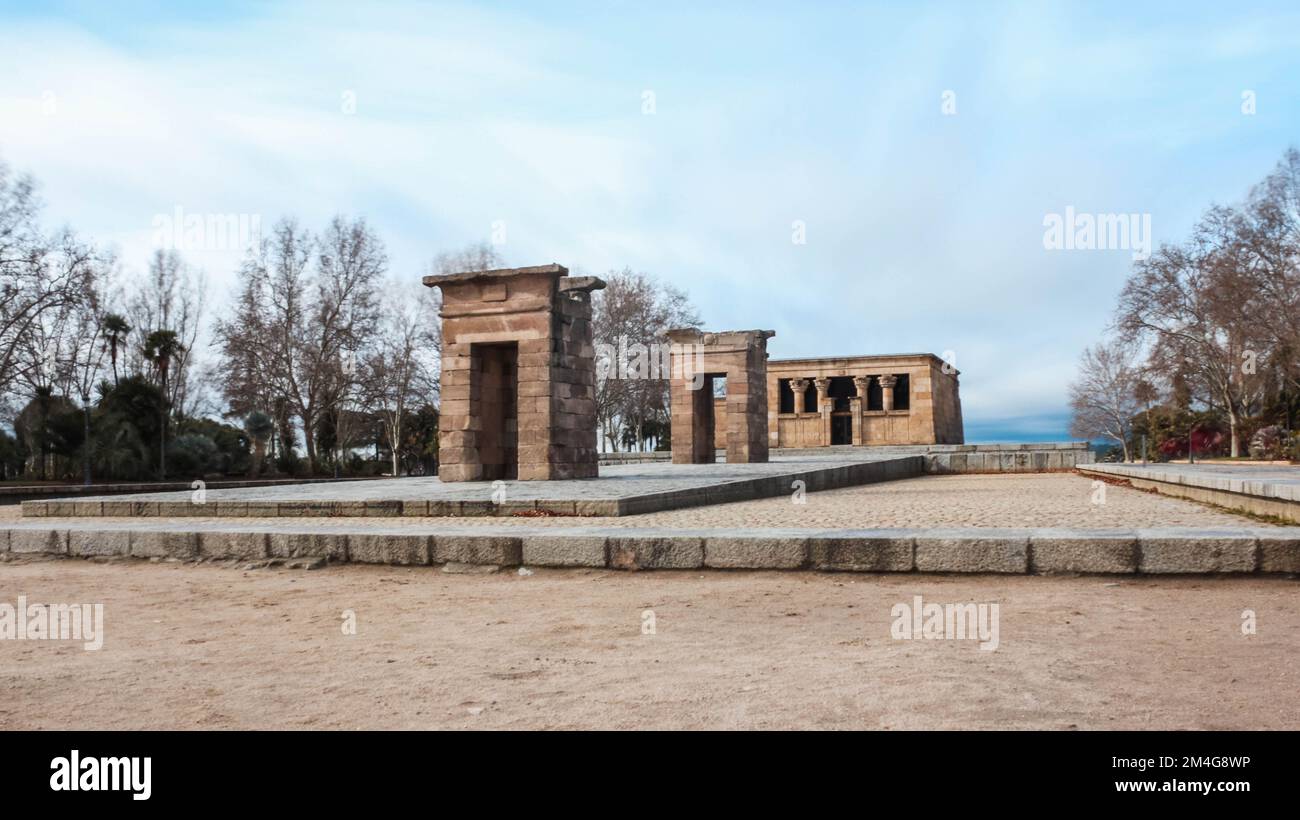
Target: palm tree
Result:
[[116, 329], [259, 427], [161, 347]]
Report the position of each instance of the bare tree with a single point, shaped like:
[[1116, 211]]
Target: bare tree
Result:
[[170, 297], [1187, 301], [401, 368], [41, 279], [1104, 396], [305, 309], [87, 351], [635, 311]]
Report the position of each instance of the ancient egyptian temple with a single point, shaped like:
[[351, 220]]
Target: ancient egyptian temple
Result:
[[858, 400]]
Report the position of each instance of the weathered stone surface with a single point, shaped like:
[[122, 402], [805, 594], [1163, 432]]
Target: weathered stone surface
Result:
[[232, 545], [698, 424], [101, 542], [608, 507], [501, 550], [38, 541], [1099, 551], [756, 552], [314, 544], [162, 544], [1207, 551], [379, 548], [1279, 551], [383, 509], [649, 552], [477, 509], [966, 551], [517, 367], [306, 509], [457, 568], [865, 551], [564, 550]]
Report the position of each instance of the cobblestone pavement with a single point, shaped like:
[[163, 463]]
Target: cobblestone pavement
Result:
[[1035, 500]]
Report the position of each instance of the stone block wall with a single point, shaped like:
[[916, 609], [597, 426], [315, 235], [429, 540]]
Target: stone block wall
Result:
[[518, 375], [739, 356]]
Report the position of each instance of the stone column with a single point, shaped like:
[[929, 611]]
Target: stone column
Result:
[[858, 404], [798, 387], [824, 408], [887, 392]]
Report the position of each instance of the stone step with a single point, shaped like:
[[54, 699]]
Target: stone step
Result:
[[972, 550]]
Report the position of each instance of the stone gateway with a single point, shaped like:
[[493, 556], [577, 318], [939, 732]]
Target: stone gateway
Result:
[[518, 375], [740, 357]]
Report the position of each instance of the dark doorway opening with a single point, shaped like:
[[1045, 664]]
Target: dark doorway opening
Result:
[[705, 420], [840, 392], [841, 429], [496, 383], [785, 396], [902, 393]]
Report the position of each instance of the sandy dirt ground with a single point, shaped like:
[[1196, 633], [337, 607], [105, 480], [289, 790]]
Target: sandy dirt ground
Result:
[[1030, 500], [206, 647]]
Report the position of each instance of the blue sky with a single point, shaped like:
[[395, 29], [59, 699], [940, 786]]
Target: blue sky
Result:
[[924, 229]]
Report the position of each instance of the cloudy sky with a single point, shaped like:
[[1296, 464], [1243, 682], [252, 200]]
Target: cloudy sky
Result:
[[917, 148]]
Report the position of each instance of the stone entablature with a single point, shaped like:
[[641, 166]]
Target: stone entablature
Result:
[[863, 400], [518, 375]]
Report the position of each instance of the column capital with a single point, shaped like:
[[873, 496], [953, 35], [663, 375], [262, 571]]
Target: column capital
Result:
[[823, 385], [888, 382], [799, 385], [862, 383]]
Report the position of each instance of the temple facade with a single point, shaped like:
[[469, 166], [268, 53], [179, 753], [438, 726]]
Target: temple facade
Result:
[[861, 400]]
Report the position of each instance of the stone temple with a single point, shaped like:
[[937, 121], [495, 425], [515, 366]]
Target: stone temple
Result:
[[519, 386], [858, 400]]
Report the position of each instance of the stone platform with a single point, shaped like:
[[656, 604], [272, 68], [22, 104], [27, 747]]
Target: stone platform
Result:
[[1259, 489], [620, 490], [419, 543]]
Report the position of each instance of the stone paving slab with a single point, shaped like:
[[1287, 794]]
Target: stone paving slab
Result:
[[18, 492], [620, 490], [970, 550], [1263, 481]]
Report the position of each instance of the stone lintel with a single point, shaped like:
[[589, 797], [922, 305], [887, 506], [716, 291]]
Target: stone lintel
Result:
[[552, 269], [690, 335], [583, 284]]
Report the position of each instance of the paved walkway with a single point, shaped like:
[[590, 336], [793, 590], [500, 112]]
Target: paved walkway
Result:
[[620, 490], [1264, 481], [1009, 500]]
